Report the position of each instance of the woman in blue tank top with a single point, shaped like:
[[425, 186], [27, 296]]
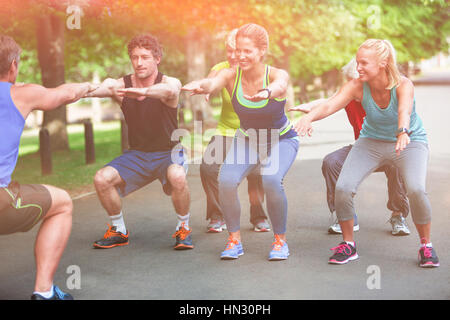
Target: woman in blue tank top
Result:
[[265, 141], [392, 133]]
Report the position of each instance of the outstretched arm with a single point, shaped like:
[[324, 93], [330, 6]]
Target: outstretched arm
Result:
[[211, 85], [277, 88], [350, 91], [108, 89], [307, 107], [168, 91], [29, 97]]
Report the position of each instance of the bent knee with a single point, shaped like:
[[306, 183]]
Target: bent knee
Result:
[[331, 163], [272, 182], [416, 192], [177, 176], [106, 177], [343, 190], [209, 170], [61, 201], [228, 182]]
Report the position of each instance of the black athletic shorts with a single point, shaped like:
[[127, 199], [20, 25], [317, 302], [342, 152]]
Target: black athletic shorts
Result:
[[22, 207]]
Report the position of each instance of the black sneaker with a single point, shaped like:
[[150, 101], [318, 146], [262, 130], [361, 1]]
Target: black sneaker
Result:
[[57, 295], [343, 253], [111, 239], [428, 257]]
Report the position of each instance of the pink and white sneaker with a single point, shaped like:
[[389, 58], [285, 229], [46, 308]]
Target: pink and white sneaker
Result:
[[343, 253], [428, 257]]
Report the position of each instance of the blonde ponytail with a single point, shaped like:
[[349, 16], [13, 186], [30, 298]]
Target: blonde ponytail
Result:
[[385, 51]]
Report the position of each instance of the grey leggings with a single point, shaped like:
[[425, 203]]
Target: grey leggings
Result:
[[369, 154]]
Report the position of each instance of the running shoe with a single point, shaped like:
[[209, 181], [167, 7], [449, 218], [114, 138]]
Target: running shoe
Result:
[[399, 227], [335, 228], [58, 294], [280, 250], [183, 239], [343, 253], [232, 250], [111, 239], [262, 226], [428, 257], [215, 226]]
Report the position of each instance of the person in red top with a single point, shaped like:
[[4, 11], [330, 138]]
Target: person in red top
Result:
[[332, 165], [355, 114]]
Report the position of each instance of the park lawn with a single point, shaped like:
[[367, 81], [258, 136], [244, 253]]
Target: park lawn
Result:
[[69, 169]]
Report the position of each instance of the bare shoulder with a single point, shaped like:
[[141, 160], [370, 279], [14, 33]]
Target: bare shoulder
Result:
[[405, 83], [228, 73], [353, 89], [405, 89], [171, 80], [276, 73], [25, 95], [27, 90], [355, 85]]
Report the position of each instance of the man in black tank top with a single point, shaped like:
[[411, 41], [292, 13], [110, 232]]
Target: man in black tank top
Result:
[[149, 102]]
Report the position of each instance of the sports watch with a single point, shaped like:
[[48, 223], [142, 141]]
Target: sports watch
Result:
[[269, 92], [403, 130]]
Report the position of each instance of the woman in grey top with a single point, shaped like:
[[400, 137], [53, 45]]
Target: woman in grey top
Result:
[[392, 133]]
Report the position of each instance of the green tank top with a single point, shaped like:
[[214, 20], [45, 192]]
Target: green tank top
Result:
[[228, 120]]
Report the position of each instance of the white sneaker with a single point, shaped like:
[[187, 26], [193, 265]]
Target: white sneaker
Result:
[[216, 226], [399, 227], [335, 228]]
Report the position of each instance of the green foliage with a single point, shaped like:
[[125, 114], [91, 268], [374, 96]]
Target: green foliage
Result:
[[307, 37]]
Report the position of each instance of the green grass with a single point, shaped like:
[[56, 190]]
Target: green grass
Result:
[[69, 169]]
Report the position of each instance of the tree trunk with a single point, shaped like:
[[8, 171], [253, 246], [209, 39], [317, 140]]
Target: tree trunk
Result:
[[50, 46]]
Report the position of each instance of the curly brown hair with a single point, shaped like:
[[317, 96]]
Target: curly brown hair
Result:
[[148, 42]]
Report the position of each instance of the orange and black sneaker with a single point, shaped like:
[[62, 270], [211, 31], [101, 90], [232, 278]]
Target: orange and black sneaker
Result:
[[111, 239], [183, 238]]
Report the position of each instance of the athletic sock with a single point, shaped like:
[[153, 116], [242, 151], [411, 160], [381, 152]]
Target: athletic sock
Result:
[[118, 222], [351, 243], [429, 245], [182, 219], [46, 294]]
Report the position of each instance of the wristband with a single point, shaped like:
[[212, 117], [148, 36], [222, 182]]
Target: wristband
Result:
[[269, 93], [403, 130]]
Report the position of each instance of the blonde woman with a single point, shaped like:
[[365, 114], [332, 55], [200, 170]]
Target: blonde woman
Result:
[[392, 132], [333, 162], [219, 146], [258, 95]]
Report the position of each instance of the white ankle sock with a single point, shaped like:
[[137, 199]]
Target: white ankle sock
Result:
[[118, 222], [429, 245], [182, 219], [46, 294], [351, 243]]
